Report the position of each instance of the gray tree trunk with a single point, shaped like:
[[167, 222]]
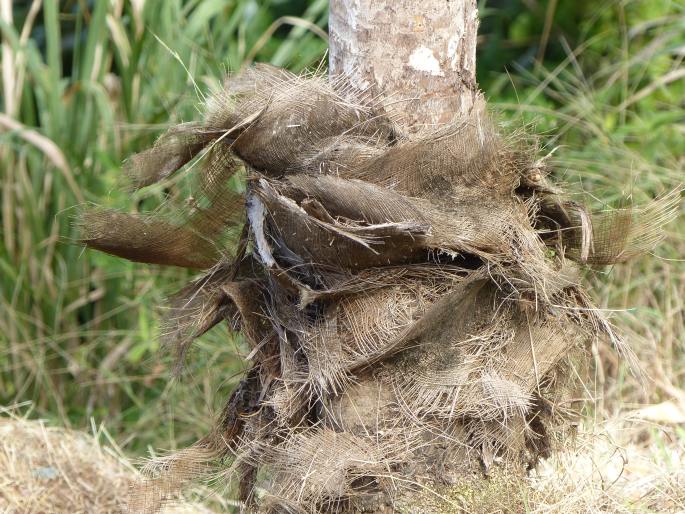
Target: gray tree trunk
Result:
[[420, 56]]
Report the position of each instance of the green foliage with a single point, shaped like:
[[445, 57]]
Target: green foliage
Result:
[[94, 81], [78, 330]]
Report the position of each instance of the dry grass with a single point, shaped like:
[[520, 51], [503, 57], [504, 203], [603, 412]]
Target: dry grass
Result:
[[626, 465], [54, 470], [630, 464]]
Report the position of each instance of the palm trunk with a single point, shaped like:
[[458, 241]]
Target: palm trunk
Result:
[[421, 56], [409, 292]]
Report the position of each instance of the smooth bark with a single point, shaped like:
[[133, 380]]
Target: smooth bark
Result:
[[420, 56]]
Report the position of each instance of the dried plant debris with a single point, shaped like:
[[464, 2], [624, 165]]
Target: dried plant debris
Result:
[[54, 470], [413, 302]]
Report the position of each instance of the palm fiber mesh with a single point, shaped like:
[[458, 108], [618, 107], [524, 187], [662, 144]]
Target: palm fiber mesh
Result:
[[412, 302]]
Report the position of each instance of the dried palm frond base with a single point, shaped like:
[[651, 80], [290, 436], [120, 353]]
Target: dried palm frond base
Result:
[[56, 471], [413, 301]]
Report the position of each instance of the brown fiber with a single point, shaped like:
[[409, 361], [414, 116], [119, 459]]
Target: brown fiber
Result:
[[412, 302]]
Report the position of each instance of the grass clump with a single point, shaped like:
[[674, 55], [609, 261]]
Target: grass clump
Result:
[[87, 84]]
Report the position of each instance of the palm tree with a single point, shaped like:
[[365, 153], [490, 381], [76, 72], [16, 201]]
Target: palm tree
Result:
[[404, 271]]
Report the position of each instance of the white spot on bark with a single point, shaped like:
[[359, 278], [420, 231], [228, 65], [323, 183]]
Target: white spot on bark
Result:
[[453, 48], [353, 14], [422, 59]]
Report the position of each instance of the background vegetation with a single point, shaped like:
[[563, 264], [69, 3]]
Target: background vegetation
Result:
[[86, 83]]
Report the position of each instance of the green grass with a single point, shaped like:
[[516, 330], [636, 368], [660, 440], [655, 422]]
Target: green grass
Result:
[[86, 88], [78, 330], [617, 116]]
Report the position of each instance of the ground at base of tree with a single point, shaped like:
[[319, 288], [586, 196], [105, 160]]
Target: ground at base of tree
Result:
[[52, 470], [628, 464], [632, 463]]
